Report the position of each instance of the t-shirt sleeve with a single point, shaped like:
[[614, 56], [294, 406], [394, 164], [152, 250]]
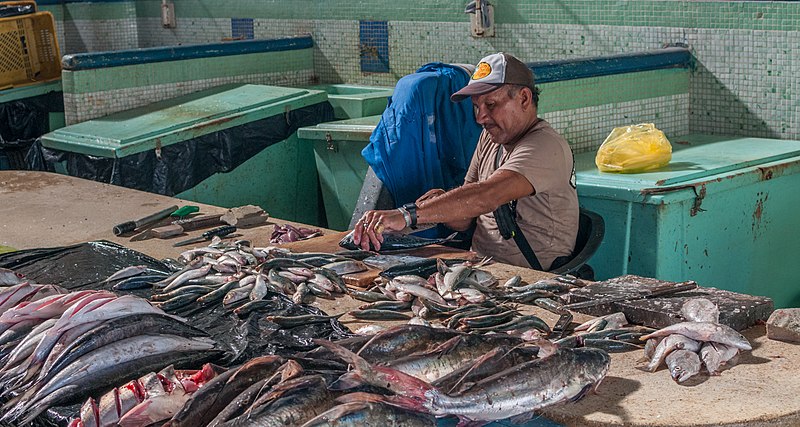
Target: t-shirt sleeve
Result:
[[541, 161], [474, 164]]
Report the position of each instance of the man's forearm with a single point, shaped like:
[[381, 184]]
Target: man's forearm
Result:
[[456, 208], [459, 207]]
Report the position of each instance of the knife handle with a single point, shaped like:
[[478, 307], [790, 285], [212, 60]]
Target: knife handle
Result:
[[219, 231], [199, 222]]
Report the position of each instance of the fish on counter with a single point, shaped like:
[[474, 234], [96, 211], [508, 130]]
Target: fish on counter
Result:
[[397, 242], [152, 398], [688, 346], [87, 341], [9, 277]]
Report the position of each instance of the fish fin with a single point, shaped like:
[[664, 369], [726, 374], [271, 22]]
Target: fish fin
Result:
[[347, 381], [358, 362], [448, 346], [394, 400], [581, 393], [466, 422]]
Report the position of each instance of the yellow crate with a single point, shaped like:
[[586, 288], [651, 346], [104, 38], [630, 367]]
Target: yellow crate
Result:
[[29, 51]]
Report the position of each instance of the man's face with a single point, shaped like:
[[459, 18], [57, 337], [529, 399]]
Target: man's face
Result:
[[502, 116]]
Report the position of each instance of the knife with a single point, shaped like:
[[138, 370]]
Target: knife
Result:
[[208, 235], [146, 232]]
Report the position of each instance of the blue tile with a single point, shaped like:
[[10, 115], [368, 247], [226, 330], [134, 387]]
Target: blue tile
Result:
[[242, 28], [374, 46]]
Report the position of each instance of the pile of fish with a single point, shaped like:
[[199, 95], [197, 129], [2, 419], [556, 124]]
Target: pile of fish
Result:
[[607, 332], [145, 401], [62, 347], [407, 375], [235, 274], [701, 341]]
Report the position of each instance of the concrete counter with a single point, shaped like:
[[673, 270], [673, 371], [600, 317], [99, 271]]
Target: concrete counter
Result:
[[46, 210]]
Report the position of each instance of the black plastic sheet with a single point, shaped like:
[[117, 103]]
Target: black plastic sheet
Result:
[[87, 265], [181, 166], [22, 122]]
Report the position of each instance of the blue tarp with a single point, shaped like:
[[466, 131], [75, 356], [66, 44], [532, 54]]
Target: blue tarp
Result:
[[423, 139]]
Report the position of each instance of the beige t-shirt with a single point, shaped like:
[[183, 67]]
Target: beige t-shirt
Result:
[[549, 218]]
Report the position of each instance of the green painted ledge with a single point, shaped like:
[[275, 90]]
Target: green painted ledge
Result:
[[129, 76]]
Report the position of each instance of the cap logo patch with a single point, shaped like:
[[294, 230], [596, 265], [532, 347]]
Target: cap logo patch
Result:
[[482, 70]]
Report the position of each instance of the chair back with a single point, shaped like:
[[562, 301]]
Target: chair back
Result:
[[591, 229]]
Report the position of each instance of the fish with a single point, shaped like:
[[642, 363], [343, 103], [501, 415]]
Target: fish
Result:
[[111, 331], [416, 289], [292, 321], [290, 403], [110, 364], [669, 344], [251, 395], [137, 282], [10, 278], [564, 376], [346, 267], [610, 321], [144, 401], [26, 292], [126, 272], [423, 267], [715, 356], [376, 314], [683, 364], [370, 413], [451, 355], [705, 331], [397, 242], [496, 360], [700, 310]]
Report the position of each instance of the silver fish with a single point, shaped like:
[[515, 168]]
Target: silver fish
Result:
[[668, 345], [346, 267], [683, 364], [9, 277], [705, 331], [131, 271], [113, 362]]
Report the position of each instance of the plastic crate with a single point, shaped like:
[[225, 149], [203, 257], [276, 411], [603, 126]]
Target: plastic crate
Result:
[[29, 51]]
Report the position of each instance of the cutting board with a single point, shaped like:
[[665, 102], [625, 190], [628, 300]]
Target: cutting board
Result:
[[330, 243], [739, 311]]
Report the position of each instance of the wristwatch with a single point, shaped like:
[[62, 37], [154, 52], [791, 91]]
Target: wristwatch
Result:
[[411, 208]]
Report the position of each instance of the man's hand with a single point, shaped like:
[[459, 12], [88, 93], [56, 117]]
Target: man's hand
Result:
[[370, 228]]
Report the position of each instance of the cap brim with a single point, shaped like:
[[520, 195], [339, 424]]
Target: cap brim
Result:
[[473, 89]]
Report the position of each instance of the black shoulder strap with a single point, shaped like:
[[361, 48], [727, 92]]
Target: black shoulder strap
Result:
[[506, 217]]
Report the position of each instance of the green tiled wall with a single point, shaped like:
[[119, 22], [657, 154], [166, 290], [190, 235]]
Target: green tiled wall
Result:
[[746, 51], [157, 73], [98, 92]]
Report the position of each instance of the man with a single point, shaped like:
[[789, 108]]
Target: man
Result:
[[536, 173]]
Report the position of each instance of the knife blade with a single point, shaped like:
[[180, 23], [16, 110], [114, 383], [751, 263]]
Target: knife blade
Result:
[[208, 235]]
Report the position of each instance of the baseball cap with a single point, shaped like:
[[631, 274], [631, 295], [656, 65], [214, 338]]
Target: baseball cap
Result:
[[493, 71]]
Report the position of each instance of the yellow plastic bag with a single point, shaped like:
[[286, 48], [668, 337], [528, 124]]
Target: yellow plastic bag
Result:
[[632, 149]]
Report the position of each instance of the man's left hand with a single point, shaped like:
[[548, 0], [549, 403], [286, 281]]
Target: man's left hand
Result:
[[371, 226]]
